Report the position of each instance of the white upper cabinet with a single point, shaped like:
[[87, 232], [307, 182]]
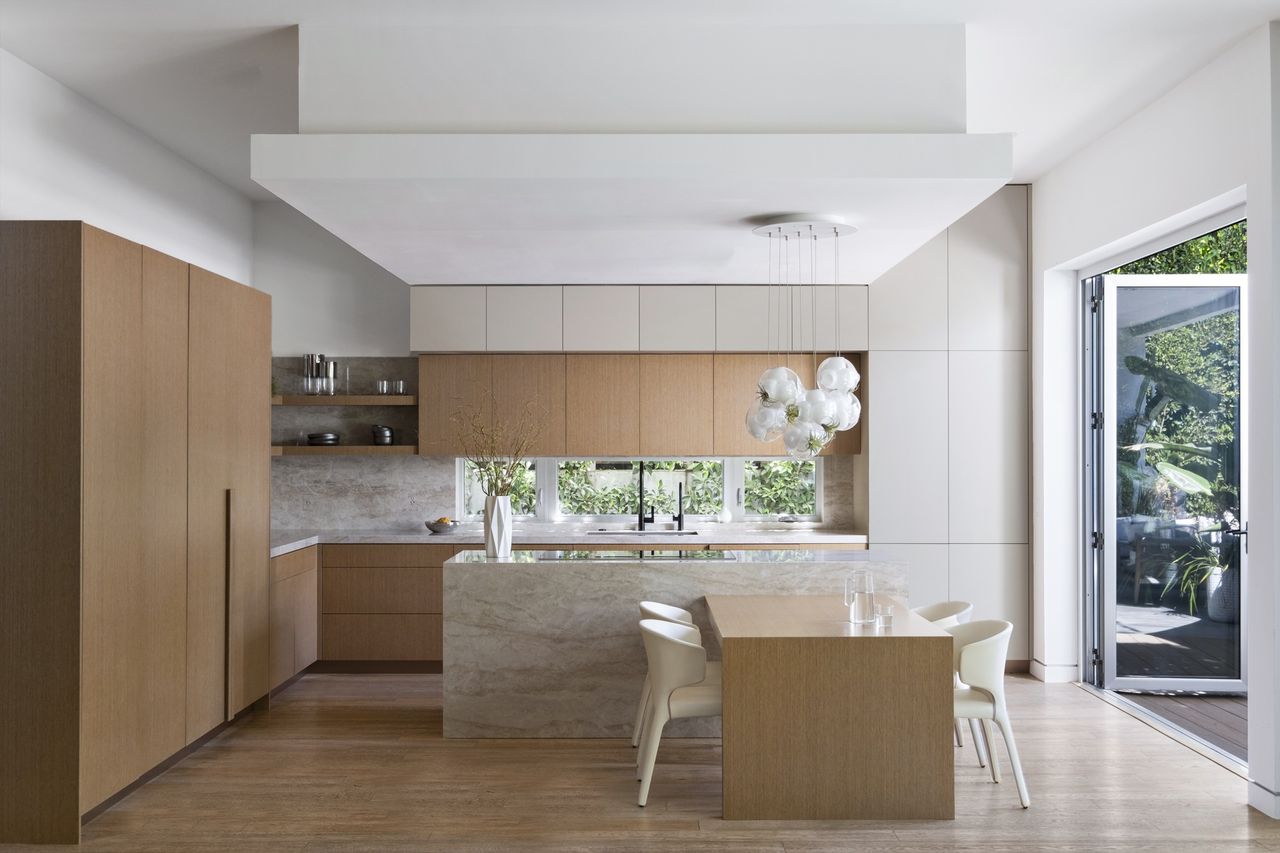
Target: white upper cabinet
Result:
[[747, 318], [602, 318], [525, 318], [446, 319], [988, 273], [850, 321], [678, 318], [908, 304]]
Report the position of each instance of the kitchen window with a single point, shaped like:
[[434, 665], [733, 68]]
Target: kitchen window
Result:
[[604, 490]]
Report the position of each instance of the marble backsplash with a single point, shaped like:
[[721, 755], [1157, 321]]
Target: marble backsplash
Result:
[[390, 492]]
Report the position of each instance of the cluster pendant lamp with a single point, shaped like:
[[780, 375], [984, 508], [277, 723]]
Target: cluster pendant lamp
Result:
[[806, 419]]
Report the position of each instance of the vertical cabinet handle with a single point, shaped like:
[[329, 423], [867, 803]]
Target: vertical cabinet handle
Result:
[[228, 564]]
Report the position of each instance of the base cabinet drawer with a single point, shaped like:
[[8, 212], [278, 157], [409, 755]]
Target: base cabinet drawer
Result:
[[382, 589], [405, 555], [381, 636]]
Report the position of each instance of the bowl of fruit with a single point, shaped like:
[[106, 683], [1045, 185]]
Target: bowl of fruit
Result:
[[443, 524]]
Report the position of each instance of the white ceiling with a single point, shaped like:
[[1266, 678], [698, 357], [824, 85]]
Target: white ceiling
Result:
[[201, 76], [623, 208]]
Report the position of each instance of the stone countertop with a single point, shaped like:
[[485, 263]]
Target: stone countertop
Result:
[[771, 556], [284, 541]]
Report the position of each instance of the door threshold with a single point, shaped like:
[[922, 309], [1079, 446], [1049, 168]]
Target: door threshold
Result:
[[1198, 745]]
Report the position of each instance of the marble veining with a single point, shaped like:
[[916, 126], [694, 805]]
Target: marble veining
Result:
[[541, 649]]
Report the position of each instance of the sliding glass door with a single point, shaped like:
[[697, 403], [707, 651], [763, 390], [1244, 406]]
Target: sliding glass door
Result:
[[1168, 446]]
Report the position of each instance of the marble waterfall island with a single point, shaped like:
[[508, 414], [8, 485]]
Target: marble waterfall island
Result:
[[546, 644]]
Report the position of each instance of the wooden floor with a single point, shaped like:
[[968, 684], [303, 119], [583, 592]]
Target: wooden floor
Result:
[[356, 762], [1221, 720]]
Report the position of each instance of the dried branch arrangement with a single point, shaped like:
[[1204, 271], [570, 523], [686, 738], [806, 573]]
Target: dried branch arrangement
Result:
[[497, 450]]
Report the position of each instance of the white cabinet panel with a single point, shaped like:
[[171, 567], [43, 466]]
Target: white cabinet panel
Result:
[[907, 444], [996, 578], [908, 305], [988, 274], [927, 573], [852, 318], [602, 318], [678, 318], [525, 318], [751, 318], [446, 319], [988, 470]]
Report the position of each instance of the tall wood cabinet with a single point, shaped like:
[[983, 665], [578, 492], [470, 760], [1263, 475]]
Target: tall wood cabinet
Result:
[[104, 409]]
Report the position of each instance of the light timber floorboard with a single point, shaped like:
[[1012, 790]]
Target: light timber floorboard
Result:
[[357, 762]]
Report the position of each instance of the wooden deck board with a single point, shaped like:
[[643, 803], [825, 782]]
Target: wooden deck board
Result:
[[1220, 720]]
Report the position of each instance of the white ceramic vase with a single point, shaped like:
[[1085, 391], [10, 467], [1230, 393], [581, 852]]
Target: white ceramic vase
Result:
[[497, 526]]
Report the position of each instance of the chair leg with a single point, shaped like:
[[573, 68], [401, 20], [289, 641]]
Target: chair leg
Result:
[[978, 748], [644, 733], [959, 735], [1007, 731], [640, 709], [649, 751], [991, 753]]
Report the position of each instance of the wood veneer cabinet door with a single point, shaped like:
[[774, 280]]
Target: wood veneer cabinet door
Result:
[[529, 390], [602, 403], [228, 502], [676, 404], [134, 482], [450, 387], [736, 378], [40, 343]]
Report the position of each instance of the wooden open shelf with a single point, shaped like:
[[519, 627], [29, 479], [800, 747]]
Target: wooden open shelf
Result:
[[344, 450], [345, 400]]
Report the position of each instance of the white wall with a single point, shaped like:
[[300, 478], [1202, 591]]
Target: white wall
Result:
[[325, 296], [63, 157], [948, 394], [1203, 146]]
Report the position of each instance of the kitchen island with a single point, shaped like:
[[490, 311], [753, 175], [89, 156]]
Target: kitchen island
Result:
[[546, 644]]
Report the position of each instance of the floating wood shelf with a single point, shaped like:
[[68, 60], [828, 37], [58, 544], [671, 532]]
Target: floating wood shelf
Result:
[[345, 400], [277, 451], [345, 450]]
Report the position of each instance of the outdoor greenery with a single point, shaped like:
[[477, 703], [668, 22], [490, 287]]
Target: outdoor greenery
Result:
[[1222, 251], [524, 489], [584, 491], [780, 487]]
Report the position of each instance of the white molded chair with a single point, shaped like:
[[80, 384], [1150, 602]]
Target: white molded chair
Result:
[[981, 649], [678, 676], [667, 613], [946, 614]]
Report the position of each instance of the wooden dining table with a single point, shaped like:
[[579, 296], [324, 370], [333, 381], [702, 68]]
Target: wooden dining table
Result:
[[827, 720]]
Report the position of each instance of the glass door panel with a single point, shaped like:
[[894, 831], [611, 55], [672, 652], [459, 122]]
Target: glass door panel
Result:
[[1171, 490]]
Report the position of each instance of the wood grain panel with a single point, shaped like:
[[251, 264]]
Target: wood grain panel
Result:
[[736, 381], [134, 495], [294, 563], [306, 619], [280, 655], [406, 555], [827, 721], [40, 345], [602, 399], [400, 636], [229, 449], [450, 387], [383, 590], [529, 389], [676, 404]]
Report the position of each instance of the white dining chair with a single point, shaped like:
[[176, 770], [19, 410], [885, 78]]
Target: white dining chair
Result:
[[680, 689], [945, 614], [981, 650], [668, 613]]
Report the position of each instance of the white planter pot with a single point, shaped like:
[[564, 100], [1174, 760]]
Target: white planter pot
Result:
[[497, 526], [1223, 591]]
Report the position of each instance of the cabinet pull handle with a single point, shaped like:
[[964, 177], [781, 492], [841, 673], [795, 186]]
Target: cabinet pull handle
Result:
[[229, 550]]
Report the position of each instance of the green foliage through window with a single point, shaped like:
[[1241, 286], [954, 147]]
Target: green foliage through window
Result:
[[589, 487], [780, 487], [1222, 251], [524, 491]]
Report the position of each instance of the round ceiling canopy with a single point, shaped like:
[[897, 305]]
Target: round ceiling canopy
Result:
[[820, 225]]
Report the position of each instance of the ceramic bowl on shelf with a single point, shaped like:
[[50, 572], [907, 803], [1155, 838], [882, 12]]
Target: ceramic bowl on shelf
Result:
[[441, 526]]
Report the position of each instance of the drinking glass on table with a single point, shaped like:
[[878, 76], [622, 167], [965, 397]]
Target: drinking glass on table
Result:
[[860, 597], [884, 615]]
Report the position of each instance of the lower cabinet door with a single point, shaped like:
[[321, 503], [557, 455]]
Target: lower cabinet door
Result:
[[382, 636]]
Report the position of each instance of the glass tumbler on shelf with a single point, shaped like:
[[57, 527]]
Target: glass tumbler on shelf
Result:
[[384, 386], [860, 597]]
